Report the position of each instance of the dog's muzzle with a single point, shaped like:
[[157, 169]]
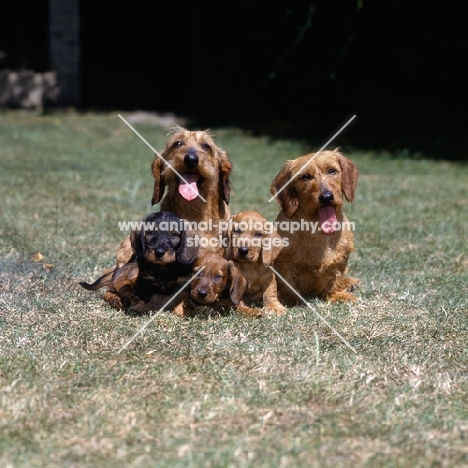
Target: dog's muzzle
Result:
[[202, 294], [243, 251], [326, 198], [191, 159]]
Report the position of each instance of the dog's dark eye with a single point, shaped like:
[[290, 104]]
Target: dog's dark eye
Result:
[[237, 231], [258, 234], [175, 235], [206, 147], [177, 144], [331, 171], [218, 277], [306, 177]]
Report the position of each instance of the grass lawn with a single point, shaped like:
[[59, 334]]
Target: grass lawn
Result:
[[229, 392]]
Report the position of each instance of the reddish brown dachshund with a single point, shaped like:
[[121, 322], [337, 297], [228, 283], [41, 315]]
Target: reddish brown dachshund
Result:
[[219, 285], [315, 263]]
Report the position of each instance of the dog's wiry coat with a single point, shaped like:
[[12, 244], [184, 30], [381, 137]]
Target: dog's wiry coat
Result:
[[161, 262], [253, 250], [316, 263], [206, 169]]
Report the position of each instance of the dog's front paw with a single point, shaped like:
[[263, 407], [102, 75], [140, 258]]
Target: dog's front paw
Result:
[[341, 296], [274, 308], [185, 309], [249, 311], [113, 300], [138, 309]]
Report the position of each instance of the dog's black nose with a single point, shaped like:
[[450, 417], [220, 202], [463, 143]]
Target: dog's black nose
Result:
[[202, 294], [191, 159], [326, 198], [159, 252], [243, 251]]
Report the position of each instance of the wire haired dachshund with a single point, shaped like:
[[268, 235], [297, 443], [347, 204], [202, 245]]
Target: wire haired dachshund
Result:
[[312, 188], [164, 252]]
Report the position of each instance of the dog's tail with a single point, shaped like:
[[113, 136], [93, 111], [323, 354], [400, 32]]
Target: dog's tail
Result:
[[99, 283]]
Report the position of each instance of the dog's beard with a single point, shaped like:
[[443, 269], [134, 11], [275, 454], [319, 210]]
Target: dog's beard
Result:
[[189, 190], [251, 257], [210, 299], [168, 257]]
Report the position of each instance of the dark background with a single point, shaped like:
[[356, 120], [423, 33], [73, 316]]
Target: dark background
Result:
[[301, 69]]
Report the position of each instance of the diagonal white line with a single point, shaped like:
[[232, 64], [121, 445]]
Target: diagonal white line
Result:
[[313, 310], [160, 157], [314, 156], [143, 328]]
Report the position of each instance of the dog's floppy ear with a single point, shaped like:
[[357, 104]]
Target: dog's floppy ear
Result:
[[159, 183], [226, 237], [188, 249], [137, 239], [238, 283], [225, 169], [287, 198], [271, 250], [123, 283], [350, 177]]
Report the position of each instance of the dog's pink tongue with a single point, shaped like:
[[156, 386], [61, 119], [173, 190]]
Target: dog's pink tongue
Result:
[[189, 190], [327, 217]]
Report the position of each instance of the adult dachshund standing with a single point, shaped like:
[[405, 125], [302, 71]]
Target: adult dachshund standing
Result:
[[311, 189]]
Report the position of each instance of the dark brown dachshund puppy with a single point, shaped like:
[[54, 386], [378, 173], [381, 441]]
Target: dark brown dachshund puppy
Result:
[[254, 245], [315, 261], [202, 196], [219, 285], [164, 252]]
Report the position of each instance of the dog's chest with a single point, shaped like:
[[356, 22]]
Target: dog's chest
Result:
[[313, 254], [257, 277]]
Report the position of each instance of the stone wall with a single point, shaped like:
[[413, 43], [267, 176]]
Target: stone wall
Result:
[[60, 85], [28, 89]]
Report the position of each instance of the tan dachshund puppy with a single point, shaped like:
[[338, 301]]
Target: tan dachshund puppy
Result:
[[253, 246]]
